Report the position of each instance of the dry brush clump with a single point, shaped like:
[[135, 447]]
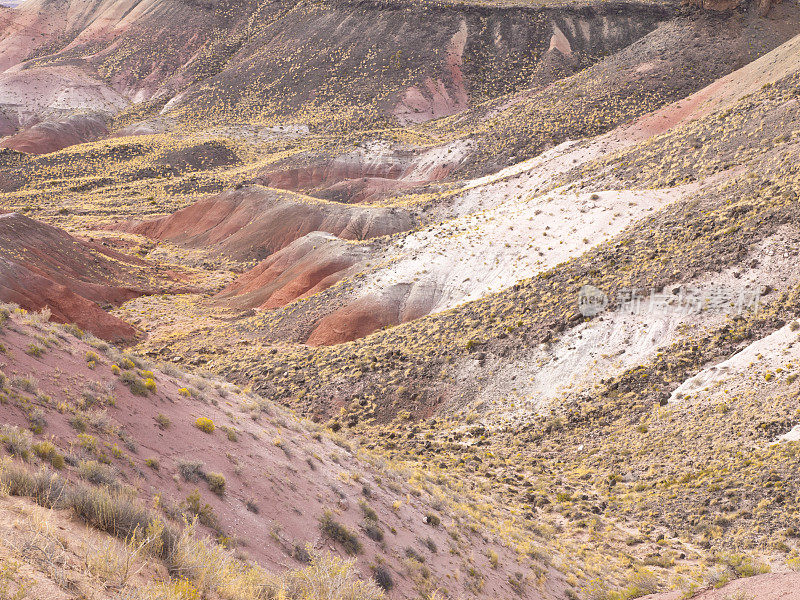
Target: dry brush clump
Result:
[[198, 567]]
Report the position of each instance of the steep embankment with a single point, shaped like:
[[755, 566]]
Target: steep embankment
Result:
[[44, 267]]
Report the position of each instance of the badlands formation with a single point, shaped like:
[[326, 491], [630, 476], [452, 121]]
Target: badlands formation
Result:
[[414, 299]]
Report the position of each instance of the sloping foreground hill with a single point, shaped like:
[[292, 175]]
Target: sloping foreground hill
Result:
[[276, 489]]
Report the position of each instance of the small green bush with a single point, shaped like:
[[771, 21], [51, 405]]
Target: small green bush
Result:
[[48, 451], [216, 483], [339, 533], [136, 385]]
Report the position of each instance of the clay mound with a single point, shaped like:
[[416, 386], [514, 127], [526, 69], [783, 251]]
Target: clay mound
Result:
[[369, 173], [51, 136], [354, 321], [254, 222], [43, 266], [34, 292], [306, 266]]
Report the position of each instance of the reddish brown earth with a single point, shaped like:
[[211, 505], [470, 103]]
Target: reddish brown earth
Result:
[[773, 586], [367, 174], [43, 266], [354, 321], [306, 266], [290, 471], [254, 222], [51, 136], [7, 125]]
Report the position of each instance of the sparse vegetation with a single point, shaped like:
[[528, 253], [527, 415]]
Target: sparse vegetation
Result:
[[339, 533], [204, 424]]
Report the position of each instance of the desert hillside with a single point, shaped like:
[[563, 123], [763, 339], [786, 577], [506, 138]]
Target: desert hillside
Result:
[[360, 299]]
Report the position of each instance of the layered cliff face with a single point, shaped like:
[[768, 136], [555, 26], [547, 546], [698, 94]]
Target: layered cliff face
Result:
[[364, 60]]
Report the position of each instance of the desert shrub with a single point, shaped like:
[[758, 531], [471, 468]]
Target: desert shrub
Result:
[[202, 510], [251, 505], [48, 451], [121, 516], [231, 433], [742, 565], [517, 583], [430, 545], [73, 329], [16, 441], [153, 463], [369, 513], [97, 473], [642, 583], [43, 487], [163, 421], [79, 421], [184, 392], [383, 578], [34, 350], [191, 470], [26, 384], [204, 424], [414, 555], [150, 384], [87, 442], [373, 530], [92, 357], [135, 385], [432, 519], [339, 533], [216, 483], [301, 554], [37, 420], [494, 559]]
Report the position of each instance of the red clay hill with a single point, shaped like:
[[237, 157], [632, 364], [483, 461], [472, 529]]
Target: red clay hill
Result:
[[44, 267]]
